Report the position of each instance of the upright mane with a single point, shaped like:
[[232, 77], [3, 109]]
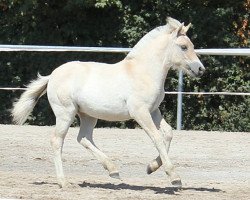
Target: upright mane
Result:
[[171, 25]]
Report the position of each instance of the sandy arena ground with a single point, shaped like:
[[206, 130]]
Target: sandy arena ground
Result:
[[213, 165]]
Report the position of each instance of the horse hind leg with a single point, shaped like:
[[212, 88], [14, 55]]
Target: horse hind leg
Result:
[[64, 118], [85, 138]]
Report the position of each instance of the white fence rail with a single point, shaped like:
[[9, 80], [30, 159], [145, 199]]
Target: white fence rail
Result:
[[39, 48], [222, 52], [63, 49]]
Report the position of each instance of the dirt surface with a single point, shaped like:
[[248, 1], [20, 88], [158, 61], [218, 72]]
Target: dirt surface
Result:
[[213, 165]]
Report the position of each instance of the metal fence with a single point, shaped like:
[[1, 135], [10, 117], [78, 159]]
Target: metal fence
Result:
[[222, 52]]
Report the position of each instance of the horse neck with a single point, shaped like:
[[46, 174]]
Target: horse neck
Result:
[[153, 59]]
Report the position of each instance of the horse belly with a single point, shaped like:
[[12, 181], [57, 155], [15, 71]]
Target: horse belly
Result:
[[103, 105]]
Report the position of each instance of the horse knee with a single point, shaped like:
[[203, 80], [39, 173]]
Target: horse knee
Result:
[[168, 133], [56, 142], [169, 136]]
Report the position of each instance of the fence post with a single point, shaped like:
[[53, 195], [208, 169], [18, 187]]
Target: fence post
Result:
[[179, 101]]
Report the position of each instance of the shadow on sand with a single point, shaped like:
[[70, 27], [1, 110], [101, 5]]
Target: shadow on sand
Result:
[[157, 190], [124, 186]]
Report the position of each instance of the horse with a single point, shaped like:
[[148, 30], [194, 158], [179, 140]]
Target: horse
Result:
[[130, 89]]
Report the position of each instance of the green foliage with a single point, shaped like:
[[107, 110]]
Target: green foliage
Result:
[[121, 23]]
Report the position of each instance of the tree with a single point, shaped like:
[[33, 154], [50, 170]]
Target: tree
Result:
[[121, 23]]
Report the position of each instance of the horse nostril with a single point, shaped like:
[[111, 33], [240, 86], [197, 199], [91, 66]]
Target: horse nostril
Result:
[[201, 69]]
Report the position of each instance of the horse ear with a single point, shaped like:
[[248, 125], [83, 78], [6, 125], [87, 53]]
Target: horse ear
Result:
[[187, 27], [178, 31]]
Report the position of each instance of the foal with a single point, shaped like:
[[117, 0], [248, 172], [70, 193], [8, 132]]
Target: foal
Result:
[[130, 89]]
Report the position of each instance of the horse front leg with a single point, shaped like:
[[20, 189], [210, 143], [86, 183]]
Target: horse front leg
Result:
[[142, 115], [167, 133]]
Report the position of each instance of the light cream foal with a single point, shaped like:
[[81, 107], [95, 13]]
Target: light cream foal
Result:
[[130, 89]]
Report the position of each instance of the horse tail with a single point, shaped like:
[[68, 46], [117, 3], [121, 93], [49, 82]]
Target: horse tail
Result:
[[24, 106]]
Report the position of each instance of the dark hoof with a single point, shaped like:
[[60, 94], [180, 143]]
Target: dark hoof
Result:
[[115, 175], [149, 170], [177, 183]]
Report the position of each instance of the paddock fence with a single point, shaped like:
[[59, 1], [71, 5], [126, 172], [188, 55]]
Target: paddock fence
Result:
[[179, 93]]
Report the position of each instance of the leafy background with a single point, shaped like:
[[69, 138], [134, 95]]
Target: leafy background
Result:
[[121, 23]]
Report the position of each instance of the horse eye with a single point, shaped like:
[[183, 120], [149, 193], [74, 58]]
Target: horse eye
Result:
[[184, 47]]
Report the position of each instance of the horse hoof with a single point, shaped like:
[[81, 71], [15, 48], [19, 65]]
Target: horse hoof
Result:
[[115, 175], [176, 183], [64, 184], [149, 170]]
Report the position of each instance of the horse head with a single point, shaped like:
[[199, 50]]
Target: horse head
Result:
[[182, 54]]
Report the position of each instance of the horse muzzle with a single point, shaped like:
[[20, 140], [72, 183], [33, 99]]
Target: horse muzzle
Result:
[[196, 68]]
